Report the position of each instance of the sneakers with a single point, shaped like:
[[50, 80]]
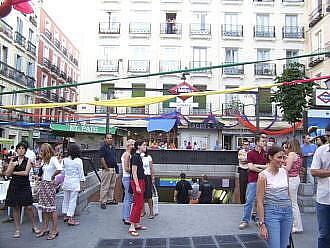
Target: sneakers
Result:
[[103, 206], [243, 225]]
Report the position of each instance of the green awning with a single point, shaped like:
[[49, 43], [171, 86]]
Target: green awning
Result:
[[87, 129], [4, 141]]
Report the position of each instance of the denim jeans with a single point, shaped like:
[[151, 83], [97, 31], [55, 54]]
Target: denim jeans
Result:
[[323, 219], [128, 198], [278, 221], [250, 199]]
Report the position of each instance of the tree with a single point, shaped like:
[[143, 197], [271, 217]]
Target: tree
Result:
[[293, 100]]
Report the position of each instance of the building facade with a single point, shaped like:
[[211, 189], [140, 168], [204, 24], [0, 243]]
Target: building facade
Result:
[[142, 36], [57, 64], [18, 58], [318, 37]]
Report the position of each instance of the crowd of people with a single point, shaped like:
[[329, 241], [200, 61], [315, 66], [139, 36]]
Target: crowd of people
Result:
[[46, 171], [269, 174]]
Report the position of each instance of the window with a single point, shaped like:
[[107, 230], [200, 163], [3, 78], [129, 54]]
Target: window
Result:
[[231, 55], [166, 87], [201, 100], [14, 99], [1, 96], [27, 99], [199, 54], [44, 80], [19, 62], [48, 25], [31, 35], [263, 20], [200, 19], [46, 52], [291, 53], [4, 54], [291, 20], [138, 90], [263, 54], [19, 27], [170, 59], [231, 98], [265, 106], [231, 19], [318, 41], [55, 59], [30, 69]]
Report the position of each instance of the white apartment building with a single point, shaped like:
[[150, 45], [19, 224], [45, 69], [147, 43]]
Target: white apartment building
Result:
[[143, 36], [18, 55]]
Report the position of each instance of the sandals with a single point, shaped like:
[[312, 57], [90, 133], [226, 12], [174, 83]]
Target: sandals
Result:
[[35, 230], [133, 233], [42, 233], [140, 228], [17, 234], [73, 223], [52, 236], [65, 219], [151, 217]]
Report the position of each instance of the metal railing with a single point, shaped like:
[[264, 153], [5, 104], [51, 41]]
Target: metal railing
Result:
[[140, 28], [233, 70], [46, 62], [315, 60], [65, 51], [31, 47], [109, 28], [229, 30], [263, 1], [171, 28], [45, 94], [169, 65], [138, 66], [232, 108], [136, 110], [48, 34], [288, 65], [75, 61], [315, 15], [265, 69], [6, 29], [198, 64], [264, 31], [107, 65], [19, 39], [200, 29], [63, 75], [293, 1], [293, 32], [57, 43], [16, 75], [54, 97], [55, 69]]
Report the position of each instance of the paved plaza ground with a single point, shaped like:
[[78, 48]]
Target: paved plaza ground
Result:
[[103, 228]]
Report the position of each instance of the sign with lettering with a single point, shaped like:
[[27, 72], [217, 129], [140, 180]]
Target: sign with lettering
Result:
[[181, 88], [202, 125], [322, 97], [81, 128]]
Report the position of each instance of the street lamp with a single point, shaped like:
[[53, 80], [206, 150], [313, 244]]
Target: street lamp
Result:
[[184, 74], [109, 97]]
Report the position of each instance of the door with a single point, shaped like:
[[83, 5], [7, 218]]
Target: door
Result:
[[231, 22], [263, 28], [199, 57], [291, 24]]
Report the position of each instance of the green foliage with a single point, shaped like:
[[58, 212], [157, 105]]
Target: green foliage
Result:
[[293, 99]]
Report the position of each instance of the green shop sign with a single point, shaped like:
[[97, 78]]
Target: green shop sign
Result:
[[83, 128]]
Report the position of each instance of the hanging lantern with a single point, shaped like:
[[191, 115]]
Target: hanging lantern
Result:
[[5, 8]]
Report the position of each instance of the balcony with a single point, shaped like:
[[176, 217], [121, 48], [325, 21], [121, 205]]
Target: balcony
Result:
[[199, 64], [315, 16], [317, 59], [31, 48], [233, 70], [48, 34], [138, 66], [19, 39], [199, 111], [229, 30], [293, 1], [292, 65], [263, 1], [63, 75], [232, 108], [46, 62], [139, 29], [55, 69], [33, 20], [75, 61], [65, 51], [45, 94], [293, 32], [265, 69], [169, 65], [198, 30], [169, 29], [57, 43], [109, 28], [54, 97], [16, 75], [6, 29], [137, 110], [107, 65], [71, 57], [100, 110], [264, 31], [69, 79], [163, 110], [62, 99]]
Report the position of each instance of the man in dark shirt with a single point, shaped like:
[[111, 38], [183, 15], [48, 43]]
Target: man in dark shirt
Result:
[[182, 193], [257, 160], [206, 191], [108, 177]]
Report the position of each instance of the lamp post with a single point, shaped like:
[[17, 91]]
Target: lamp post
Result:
[[107, 124]]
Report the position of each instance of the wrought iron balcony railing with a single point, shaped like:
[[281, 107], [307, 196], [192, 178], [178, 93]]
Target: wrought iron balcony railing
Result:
[[109, 28], [229, 30], [264, 31], [141, 28], [171, 28], [138, 66], [107, 65], [20, 39], [293, 32], [265, 69], [200, 29]]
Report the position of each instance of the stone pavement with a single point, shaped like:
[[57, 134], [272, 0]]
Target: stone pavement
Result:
[[99, 226]]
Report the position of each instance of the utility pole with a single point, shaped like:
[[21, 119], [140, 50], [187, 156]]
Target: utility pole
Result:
[[258, 110], [107, 124]]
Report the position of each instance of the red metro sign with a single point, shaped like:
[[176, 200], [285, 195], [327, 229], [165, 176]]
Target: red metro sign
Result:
[[183, 87]]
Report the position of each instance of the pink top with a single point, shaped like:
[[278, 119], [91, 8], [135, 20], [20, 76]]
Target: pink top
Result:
[[297, 163]]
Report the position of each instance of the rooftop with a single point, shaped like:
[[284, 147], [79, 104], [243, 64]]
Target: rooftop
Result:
[[202, 225]]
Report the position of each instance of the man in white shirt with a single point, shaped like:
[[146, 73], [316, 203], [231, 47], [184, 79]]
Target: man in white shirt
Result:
[[321, 169]]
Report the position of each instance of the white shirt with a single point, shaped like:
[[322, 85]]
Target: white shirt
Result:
[[146, 164], [50, 168], [73, 174], [125, 173], [321, 160], [30, 155]]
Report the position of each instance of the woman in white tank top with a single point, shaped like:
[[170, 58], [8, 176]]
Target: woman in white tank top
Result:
[[126, 167], [273, 202]]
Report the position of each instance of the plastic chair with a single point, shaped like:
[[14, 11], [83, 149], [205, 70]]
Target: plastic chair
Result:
[[39, 211], [3, 193]]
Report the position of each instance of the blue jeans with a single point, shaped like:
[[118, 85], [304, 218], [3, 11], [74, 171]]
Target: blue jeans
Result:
[[250, 199], [278, 221], [128, 199], [323, 219]]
